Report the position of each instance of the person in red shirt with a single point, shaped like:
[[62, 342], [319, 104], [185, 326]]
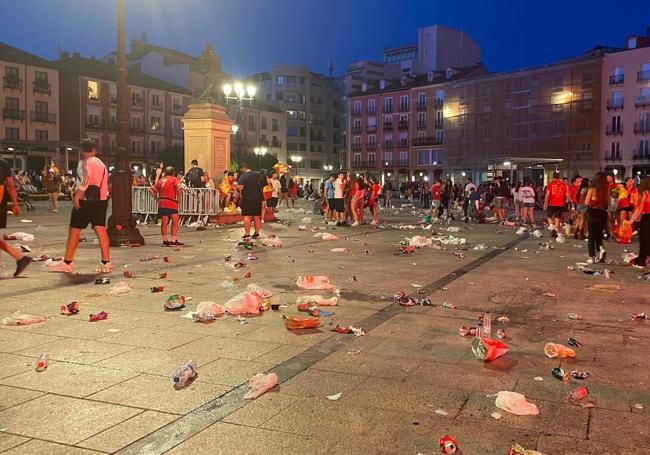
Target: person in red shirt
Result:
[[167, 190], [436, 189], [375, 191], [556, 196]]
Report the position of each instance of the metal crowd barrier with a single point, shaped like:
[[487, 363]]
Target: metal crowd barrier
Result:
[[193, 202]]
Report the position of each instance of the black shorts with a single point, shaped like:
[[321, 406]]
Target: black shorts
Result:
[[330, 203], [272, 202], [93, 212], [3, 216], [554, 211], [251, 207], [164, 211], [337, 204]]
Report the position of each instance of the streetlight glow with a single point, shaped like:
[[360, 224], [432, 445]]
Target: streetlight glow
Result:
[[507, 163], [251, 90], [462, 173], [234, 128], [239, 89], [227, 89]]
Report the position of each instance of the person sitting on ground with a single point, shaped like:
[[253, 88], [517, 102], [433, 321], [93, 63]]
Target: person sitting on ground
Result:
[[227, 190], [167, 188]]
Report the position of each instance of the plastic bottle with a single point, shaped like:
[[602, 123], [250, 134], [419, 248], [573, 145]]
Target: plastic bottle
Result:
[[558, 351], [41, 364], [186, 372], [578, 394], [487, 326], [479, 330]]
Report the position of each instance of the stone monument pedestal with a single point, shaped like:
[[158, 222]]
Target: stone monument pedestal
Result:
[[207, 131]]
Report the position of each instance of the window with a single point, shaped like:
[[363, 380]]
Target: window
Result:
[[615, 150], [371, 159], [291, 97], [12, 134], [156, 148], [617, 98], [424, 157], [292, 130], [40, 80], [388, 104], [403, 158], [155, 123], [356, 107], [263, 123], [357, 159], [274, 124], [644, 148], [279, 80], [302, 115], [291, 79], [422, 100], [616, 124], [403, 103], [388, 158], [279, 96], [41, 107], [440, 95], [93, 119], [93, 90], [136, 123], [439, 135], [438, 119], [388, 120], [11, 72], [155, 100], [372, 140], [371, 106], [136, 99], [251, 121], [422, 120], [462, 117], [136, 147], [463, 135], [12, 104]]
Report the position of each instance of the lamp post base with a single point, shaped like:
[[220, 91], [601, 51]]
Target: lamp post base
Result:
[[122, 228]]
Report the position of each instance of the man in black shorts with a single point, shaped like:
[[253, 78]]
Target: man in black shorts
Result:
[[8, 190], [90, 202], [251, 185]]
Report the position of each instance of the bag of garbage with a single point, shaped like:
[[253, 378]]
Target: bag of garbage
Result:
[[20, 318], [325, 236], [243, 303], [272, 241], [488, 349], [515, 403], [23, 236], [317, 300], [259, 291], [558, 351], [207, 311], [419, 241], [314, 282], [260, 384]]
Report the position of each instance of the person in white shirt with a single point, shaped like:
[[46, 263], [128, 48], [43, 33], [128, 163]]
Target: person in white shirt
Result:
[[516, 198], [527, 197], [275, 195]]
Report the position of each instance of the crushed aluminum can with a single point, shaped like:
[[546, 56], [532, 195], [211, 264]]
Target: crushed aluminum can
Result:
[[451, 306], [162, 275], [70, 309], [341, 329], [501, 333], [448, 445], [573, 342], [580, 375], [638, 316], [465, 331], [157, 288], [559, 373], [127, 274]]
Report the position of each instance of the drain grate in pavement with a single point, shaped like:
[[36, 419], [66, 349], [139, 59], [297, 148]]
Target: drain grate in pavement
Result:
[[174, 433]]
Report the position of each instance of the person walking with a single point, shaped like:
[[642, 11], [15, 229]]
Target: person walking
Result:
[[8, 191], [53, 188], [328, 191], [373, 200], [90, 203], [597, 200], [581, 210], [642, 214], [554, 202], [275, 194], [502, 193], [251, 185], [436, 189], [167, 189], [358, 191]]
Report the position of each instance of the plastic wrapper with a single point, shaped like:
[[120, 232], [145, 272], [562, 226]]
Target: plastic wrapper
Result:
[[305, 220], [314, 282], [516, 449], [248, 302], [121, 287], [515, 403], [22, 236], [558, 351], [419, 241], [20, 318], [488, 349], [340, 250], [317, 300], [325, 236], [272, 241], [260, 384], [296, 323], [207, 311]]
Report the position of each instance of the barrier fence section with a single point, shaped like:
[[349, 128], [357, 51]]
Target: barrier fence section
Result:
[[192, 202]]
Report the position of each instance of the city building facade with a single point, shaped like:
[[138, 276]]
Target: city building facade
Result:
[[625, 109], [312, 106], [29, 96], [88, 94]]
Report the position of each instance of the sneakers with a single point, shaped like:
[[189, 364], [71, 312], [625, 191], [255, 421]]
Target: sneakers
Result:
[[21, 265], [255, 236], [356, 223], [61, 267], [374, 223], [176, 243], [166, 243], [246, 236], [590, 261], [601, 254], [104, 268]]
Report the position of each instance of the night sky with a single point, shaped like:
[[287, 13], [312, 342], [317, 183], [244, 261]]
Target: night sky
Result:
[[253, 35]]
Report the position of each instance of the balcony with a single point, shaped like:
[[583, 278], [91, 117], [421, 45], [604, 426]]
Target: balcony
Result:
[[403, 125], [42, 86], [421, 126], [137, 102], [402, 143], [42, 117], [156, 107], [616, 79], [264, 142], [356, 130], [276, 143], [641, 155], [388, 126], [642, 100], [364, 165], [614, 130], [112, 125], [372, 111], [420, 141], [156, 129], [387, 110], [421, 106], [371, 146], [613, 156], [614, 104], [356, 147], [371, 129], [94, 123], [12, 82], [356, 112], [403, 107], [643, 76], [177, 109], [13, 114], [388, 145], [642, 128], [177, 132]]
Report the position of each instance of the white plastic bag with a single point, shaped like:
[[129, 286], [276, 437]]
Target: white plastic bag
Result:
[[325, 236], [260, 384], [515, 403], [419, 241], [23, 236], [317, 300], [314, 282], [20, 318], [272, 241], [207, 311]]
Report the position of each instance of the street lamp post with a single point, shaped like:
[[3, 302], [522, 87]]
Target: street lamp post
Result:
[[296, 159], [122, 228], [237, 93], [260, 152]]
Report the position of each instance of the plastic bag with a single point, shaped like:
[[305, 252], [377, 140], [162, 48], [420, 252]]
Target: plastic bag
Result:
[[419, 241], [314, 282], [20, 318], [273, 241], [296, 323], [260, 384], [488, 349], [340, 250], [325, 236], [249, 301], [121, 287], [515, 403], [23, 236], [558, 351], [516, 449], [207, 311], [317, 300], [305, 220]]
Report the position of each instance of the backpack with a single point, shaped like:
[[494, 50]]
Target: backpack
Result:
[[193, 177]]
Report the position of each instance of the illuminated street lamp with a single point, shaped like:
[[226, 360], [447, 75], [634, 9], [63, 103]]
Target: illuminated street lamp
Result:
[[237, 93], [328, 167], [260, 152], [295, 159]]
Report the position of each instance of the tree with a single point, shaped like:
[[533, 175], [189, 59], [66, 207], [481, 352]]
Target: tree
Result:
[[256, 163], [174, 156]]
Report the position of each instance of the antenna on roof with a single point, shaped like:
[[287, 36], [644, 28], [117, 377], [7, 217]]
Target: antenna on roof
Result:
[[330, 66]]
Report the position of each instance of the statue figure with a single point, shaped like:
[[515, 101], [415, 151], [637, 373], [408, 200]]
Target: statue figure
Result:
[[211, 70]]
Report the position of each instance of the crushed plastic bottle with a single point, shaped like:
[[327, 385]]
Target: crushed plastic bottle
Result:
[[558, 351], [185, 373], [41, 363], [560, 374], [487, 326], [578, 394]]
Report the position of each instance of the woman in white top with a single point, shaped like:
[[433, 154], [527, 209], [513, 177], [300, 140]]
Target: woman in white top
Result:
[[527, 196], [516, 198]]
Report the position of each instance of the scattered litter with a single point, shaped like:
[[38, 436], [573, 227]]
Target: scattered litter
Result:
[[334, 397], [503, 319], [418, 241], [638, 316], [516, 449], [515, 403], [549, 294], [185, 374], [260, 384], [175, 302], [296, 323], [70, 309], [560, 374], [272, 241], [487, 349], [25, 220], [538, 378], [317, 300], [558, 351], [22, 236], [480, 246], [573, 342], [496, 415], [315, 282], [448, 445], [98, 317], [453, 229], [20, 318], [325, 236], [580, 375], [41, 363], [442, 412], [638, 406], [574, 316], [113, 330], [355, 352], [604, 287], [242, 320], [250, 301], [207, 312], [578, 394], [121, 287], [340, 250]]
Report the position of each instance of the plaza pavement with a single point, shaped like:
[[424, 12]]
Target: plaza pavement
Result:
[[108, 388]]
